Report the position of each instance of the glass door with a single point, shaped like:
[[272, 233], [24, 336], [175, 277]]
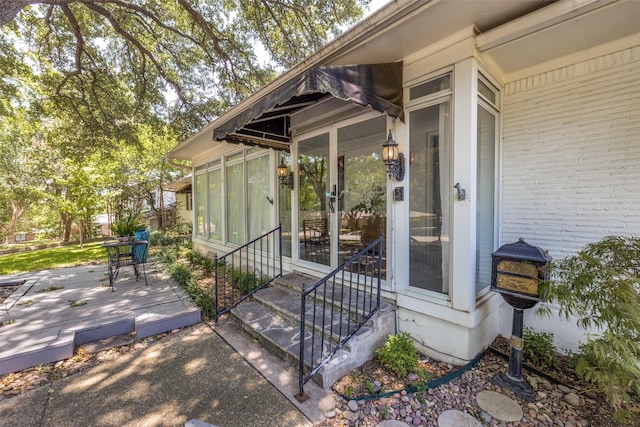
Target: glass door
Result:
[[430, 187], [342, 191], [314, 204], [362, 186], [284, 211]]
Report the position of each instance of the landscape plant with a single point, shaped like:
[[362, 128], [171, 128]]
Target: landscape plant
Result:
[[539, 350], [163, 238], [187, 275], [399, 355], [127, 226], [187, 266], [600, 285]]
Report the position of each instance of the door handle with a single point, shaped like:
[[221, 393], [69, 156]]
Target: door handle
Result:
[[332, 200]]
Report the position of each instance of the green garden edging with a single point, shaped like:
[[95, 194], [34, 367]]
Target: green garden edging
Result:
[[430, 384]]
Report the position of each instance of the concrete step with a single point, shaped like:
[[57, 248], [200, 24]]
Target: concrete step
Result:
[[275, 333], [287, 305], [273, 319], [354, 299]]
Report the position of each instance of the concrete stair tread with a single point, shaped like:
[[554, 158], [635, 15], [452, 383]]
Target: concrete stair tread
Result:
[[263, 324], [357, 297], [288, 306], [272, 317]]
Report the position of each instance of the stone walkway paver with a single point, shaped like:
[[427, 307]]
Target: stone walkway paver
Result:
[[499, 406], [455, 418]]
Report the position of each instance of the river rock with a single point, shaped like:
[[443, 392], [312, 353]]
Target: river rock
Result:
[[572, 399]]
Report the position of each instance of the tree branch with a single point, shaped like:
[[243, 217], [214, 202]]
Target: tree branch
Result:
[[9, 9], [77, 33], [136, 43]]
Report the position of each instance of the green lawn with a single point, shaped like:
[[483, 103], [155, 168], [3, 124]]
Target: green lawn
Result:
[[44, 259]]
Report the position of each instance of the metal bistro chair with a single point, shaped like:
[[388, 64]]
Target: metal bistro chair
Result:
[[121, 254]]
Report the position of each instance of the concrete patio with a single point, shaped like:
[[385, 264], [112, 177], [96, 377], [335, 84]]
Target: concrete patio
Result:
[[54, 311]]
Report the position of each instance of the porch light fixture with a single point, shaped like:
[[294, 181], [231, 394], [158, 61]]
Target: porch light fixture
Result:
[[393, 158], [285, 177]]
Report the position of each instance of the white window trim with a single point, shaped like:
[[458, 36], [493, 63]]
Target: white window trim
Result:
[[402, 251]]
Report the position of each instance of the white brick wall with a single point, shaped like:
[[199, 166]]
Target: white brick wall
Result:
[[571, 154]]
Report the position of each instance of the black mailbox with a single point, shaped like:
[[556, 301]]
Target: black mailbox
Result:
[[516, 272]]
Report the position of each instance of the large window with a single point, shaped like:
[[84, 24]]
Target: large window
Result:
[[235, 199], [242, 181], [430, 184], [259, 199], [488, 98], [201, 204], [215, 203]]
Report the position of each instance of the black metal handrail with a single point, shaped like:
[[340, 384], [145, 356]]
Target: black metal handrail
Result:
[[247, 269], [336, 307]]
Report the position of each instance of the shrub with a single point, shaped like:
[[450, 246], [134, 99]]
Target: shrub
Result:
[[245, 281], [182, 229], [539, 350], [399, 354], [601, 286], [162, 238], [186, 276]]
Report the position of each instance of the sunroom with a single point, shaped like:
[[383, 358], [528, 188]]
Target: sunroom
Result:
[[306, 152]]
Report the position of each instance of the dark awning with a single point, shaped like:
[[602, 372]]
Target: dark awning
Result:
[[376, 85]]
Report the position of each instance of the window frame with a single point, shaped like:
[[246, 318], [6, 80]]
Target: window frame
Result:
[[493, 107], [411, 105]]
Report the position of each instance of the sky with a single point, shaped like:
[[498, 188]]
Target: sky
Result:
[[263, 56], [376, 4]]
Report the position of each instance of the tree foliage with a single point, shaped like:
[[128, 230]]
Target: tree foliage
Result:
[[199, 55], [601, 287], [21, 164], [94, 93]]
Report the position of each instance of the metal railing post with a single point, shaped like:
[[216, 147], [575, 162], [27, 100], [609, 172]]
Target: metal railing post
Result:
[[301, 396], [280, 244], [217, 276]]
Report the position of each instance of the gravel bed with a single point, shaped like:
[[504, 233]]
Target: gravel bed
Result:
[[554, 404]]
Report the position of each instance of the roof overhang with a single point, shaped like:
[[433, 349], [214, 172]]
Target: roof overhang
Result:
[[182, 185], [514, 35], [558, 30], [387, 36]]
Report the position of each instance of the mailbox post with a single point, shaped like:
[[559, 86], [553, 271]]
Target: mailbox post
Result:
[[516, 272]]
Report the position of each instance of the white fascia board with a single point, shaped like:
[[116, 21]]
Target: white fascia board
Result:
[[537, 21], [600, 50]]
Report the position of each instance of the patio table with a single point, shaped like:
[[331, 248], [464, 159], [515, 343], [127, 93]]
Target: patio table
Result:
[[121, 254]]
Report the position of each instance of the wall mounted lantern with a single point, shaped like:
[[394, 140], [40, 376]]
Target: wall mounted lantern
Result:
[[285, 177], [393, 158]]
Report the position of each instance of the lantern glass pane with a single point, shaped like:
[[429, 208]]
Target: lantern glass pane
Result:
[[389, 152]]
